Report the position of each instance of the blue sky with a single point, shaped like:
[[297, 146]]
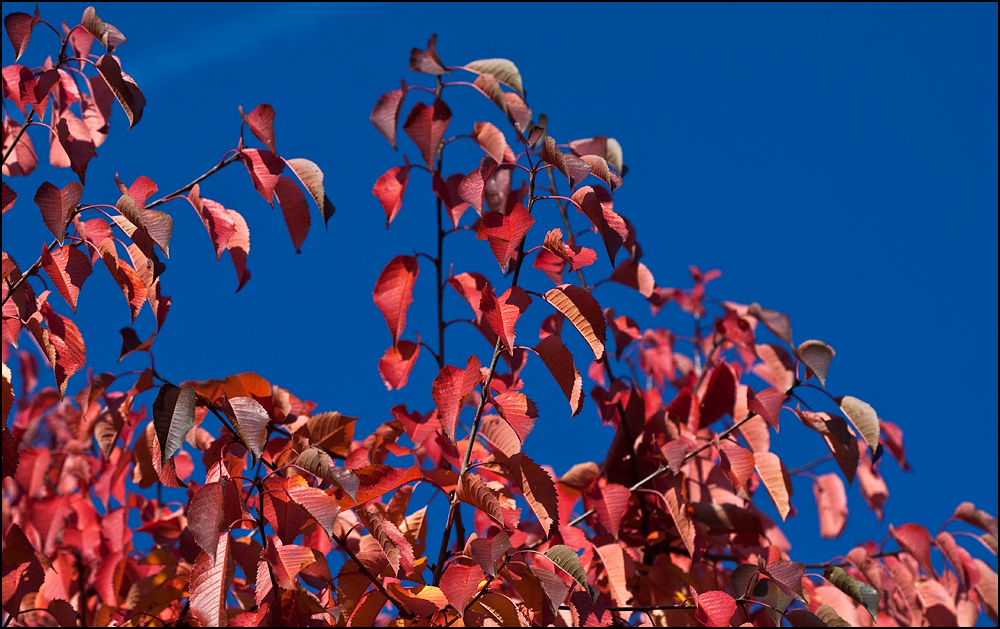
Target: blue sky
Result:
[[836, 162]]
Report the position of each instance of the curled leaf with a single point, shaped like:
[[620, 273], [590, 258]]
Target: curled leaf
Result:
[[583, 311]]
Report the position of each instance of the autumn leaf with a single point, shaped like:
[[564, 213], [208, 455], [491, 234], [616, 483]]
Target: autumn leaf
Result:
[[385, 115], [816, 356], [394, 292], [173, 417], [450, 390], [294, 208], [583, 311], [426, 126], [261, 123], [502, 313], [396, 364], [559, 362], [505, 232], [57, 206]]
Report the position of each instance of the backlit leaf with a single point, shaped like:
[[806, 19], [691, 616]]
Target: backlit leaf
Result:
[[583, 312], [488, 551], [312, 178], [865, 419], [460, 583], [250, 421], [858, 590], [19, 26], [831, 498], [503, 69], [497, 610], [505, 232], [294, 208], [816, 355], [385, 115], [635, 275], [209, 586], [839, 438], [967, 512], [331, 431], [611, 502], [378, 480], [447, 191], [788, 576], [68, 267], [778, 369], [426, 126], [916, 540], [264, 168], [391, 540], [777, 322], [490, 139], [502, 313], [560, 364], [205, 513], [396, 364], [123, 87], [261, 123], [57, 206], [9, 197], [450, 389], [518, 411], [891, 437], [597, 205], [394, 292], [173, 417], [599, 168], [389, 189], [715, 608], [470, 286], [571, 166], [499, 433], [319, 463], [577, 257], [79, 150], [776, 480], [287, 561], [473, 490], [490, 87], [538, 489], [719, 397], [109, 36]]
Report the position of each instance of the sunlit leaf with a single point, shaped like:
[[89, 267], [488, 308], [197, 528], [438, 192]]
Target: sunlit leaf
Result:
[[68, 267], [426, 126], [503, 69], [450, 389], [560, 364], [385, 115], [123, 87], [389, 189], [538, 489], [312, 178], [611, 502], [173, 417], [210, 582], [264, 168], [571, 166], [57, 206], [473, 490], [261, 123], [294, 208], [583, 312], [394, 292], [776, 480], [109, 36], [396, 364], [19, 26], [831, 498], [427, 61], [565, 558], [816, 356], [916, 540], [858, 590], [502, 313], [715, 608], [460, 583], [319, 463], [79, 150], [391, 540], [205, 513], [865, 419], [505, 232], [250, 420]]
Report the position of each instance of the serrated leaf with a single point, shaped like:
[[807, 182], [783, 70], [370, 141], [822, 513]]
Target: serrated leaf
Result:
[[865, 419], [264, 168], [320, 505], [816, 355], [427, 61], [294, 208], [109, 36], [583, 311], [311, 177], [19, 26], [250, 421], [564, 557], [173, 417], [788, 576], [503, 69], [68, 267], [79, 150], [261, 123], [331, 431], [538, 489], [502, 313], [426, 126], [518, 411], [396, 364], [209, 585], [57, 206], [377, 480], [450, 389], [559, 361], [385, 115], [505, 232], [319, 463], [473, 490], [572, 167], [205, 512], [916, 540], [776, 480], [858, 590], [390, 539], [611, 501], [123, 87], [389, 190], [715, 608], [394, 292], [460, 583]]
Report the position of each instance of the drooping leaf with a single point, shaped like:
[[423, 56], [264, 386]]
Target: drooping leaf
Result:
[[577, 257], [715, 608], [205, 513], [583, 311], [571, 166], [488, 551], [831, 498], [839, 438], [891, 437], [319, 463], [518, 411], [109, 36], [788, 576], [331, 431], [57, 206], [470, 286], [123, 87], [496, 610], [294, 208], [472, 188], [505, 232], [684, 520], [777, 322], [499, 433], [312, 178], [173, 417], [396, 364], [490, 88], [559, 362], [778, 369], [385, 115], [228, 231], [635, 275], [447, 191], [210, 582], [394, 292], [538, 489], [967, 512], [391, 540], [599, 168], [503, 69], [596, 203], [79, 150], [564, 557], [378, 480], [816, 356], [473, 490], [261, 123], [611, 502], [68, 267], [719, 397], [389, 189], [19, 26], [916, 540], [865, 419], [426, 126], [250, 420], [427, 61], [490, 139], [9, 196], [776, 480], [450, 389], [287, 561], [860, 591], [502, 313], [264, 168]]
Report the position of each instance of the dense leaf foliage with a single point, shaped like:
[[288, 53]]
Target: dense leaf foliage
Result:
[[295, 518]]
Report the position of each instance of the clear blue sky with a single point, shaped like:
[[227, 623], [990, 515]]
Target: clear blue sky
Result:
[[835, 162]]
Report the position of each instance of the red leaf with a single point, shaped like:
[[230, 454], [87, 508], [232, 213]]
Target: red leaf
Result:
[[719, 397], [70, 351], [397, 362], [205, 513], [96, 108], [778, 323], [839, 438], [715, 608], [394, 292], [488, 85], [390, 188], [491, 140], [577, 257], [79, 150], [109, 36], [460, 583], [503, 70], [209, 586], [377, 480], [787, 575], [261, 123], [9, 197], [474, 491], [623, 329], [559, 362], [68, 267], [264, 168], [295, 209], [635, 275], [916, 540], [502, 313], [831, 498], [892, 438], [128, 280], [597, 204], [583, 311], [398, 551], [23, 160], [689, 532], [19, 27], [599, 168], [500, 435], [505, 233], [287, 561], [472, 188], [518, 411], [737, 463], [470, 286], [538, 489], [447, 191], [228, 231], [778, 369], [250, 421], [450, 390], [611, 502], [426, 126], [550, 264], [385, 115], [319, 504], [312, 178], [123, 87], [487, 551], [427, 61], [571, 166], [776, 480]]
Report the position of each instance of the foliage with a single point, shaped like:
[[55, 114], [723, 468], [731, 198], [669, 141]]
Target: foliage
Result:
[[261, 510]]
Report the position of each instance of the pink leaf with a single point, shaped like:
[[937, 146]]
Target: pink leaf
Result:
[[57, 206], [470, 286], [450, 390], [571, 166], [427, 61], [295, 209], [123, 87], [719, 397], [538, 489], [397, 363], [518, 411], [505, 233], [502, 313], [264, 168], [491, 140], [447, 191], [426, 126], [389, 189], [831, 498], [715, 608], [776, 480], [596, 203], [611, 502], [550, 264], [394, 292], [69, 268], [635, 275], [583, 312], [916, 540], [19, 27], [80, 151], [385, 115], [209, 586], [577, 257], [460, 583], [23, 160], [261, 123]]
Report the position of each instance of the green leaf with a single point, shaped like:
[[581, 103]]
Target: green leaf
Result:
[[864, 418], [503, 70], [858, 590], [565, 558]]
